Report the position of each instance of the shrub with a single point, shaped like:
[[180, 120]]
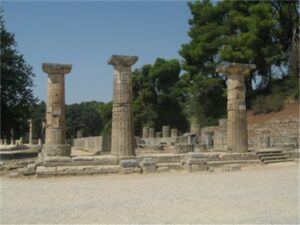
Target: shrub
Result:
[[269, 103]]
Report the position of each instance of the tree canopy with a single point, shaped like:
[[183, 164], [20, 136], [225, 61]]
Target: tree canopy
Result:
[[16, 87]]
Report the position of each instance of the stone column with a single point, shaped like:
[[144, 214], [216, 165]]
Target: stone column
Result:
[[237, 134], [151, 133], [79, 134], [174, 132], [30, 131], [166, 131], [55, 111], [159, 134], [123, 143], [145, 132]]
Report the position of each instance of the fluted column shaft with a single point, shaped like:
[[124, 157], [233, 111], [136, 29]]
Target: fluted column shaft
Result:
[[123, 143]]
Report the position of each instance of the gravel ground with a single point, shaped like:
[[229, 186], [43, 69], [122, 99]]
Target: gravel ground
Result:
[[267, 194]]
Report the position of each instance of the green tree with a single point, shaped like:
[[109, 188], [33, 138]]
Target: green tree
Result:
[[105, 110], [156, 96], [38, 115], [84, 117], [16, 87], [257, 32]]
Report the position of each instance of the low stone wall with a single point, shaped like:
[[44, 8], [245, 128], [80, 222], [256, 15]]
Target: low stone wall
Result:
[[95, 145], [280, 133]]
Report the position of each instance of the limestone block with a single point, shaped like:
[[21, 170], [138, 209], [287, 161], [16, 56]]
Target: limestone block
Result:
[[183, 148], [174, 132], [145, 132], [103, 169], [29, 170], [106, 160], [42, 171], [149, 169], [56, 150], [128, 163], [166, 131], [83, 158], [56, 161], [148, 162], [151, 132]]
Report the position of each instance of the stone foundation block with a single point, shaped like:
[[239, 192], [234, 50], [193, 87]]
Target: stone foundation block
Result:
[[83, 158], [184, 148], [42, 171], [193, 162], [128, 163], [56, 150], [106, 160], [148, 165], [29, 170], [149, 169], [57, 161]]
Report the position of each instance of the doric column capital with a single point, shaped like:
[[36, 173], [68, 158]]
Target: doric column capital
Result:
[[122, 60], [55, 68], [236, 69]]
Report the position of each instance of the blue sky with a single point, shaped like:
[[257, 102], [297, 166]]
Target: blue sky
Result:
[[86, 34]]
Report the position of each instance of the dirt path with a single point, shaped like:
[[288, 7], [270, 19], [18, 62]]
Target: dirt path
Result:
[[260, 195]]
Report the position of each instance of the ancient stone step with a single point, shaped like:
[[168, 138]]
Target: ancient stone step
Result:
[[42, 171], [263, 158], [277, 160], [221, 163], [170, 166]]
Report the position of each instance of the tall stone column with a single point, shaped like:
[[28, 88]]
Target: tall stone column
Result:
[[123, 143], [55, 110], [237, 134], [30, 131]]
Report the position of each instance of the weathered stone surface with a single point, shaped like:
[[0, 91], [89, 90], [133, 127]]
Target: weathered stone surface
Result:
[[166, 131], [128, 163], [29, 170], [55, 110], [194, 162], [56, 161], [123, 143], [83, 158], [42, 171], [151, 132], [148, 162], [145, 132], [183, 148], [174, 132], [56, 150], [237, 135], [106, 160]]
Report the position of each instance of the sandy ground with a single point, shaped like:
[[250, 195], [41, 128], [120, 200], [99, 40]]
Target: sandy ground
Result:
[[267, 194]]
